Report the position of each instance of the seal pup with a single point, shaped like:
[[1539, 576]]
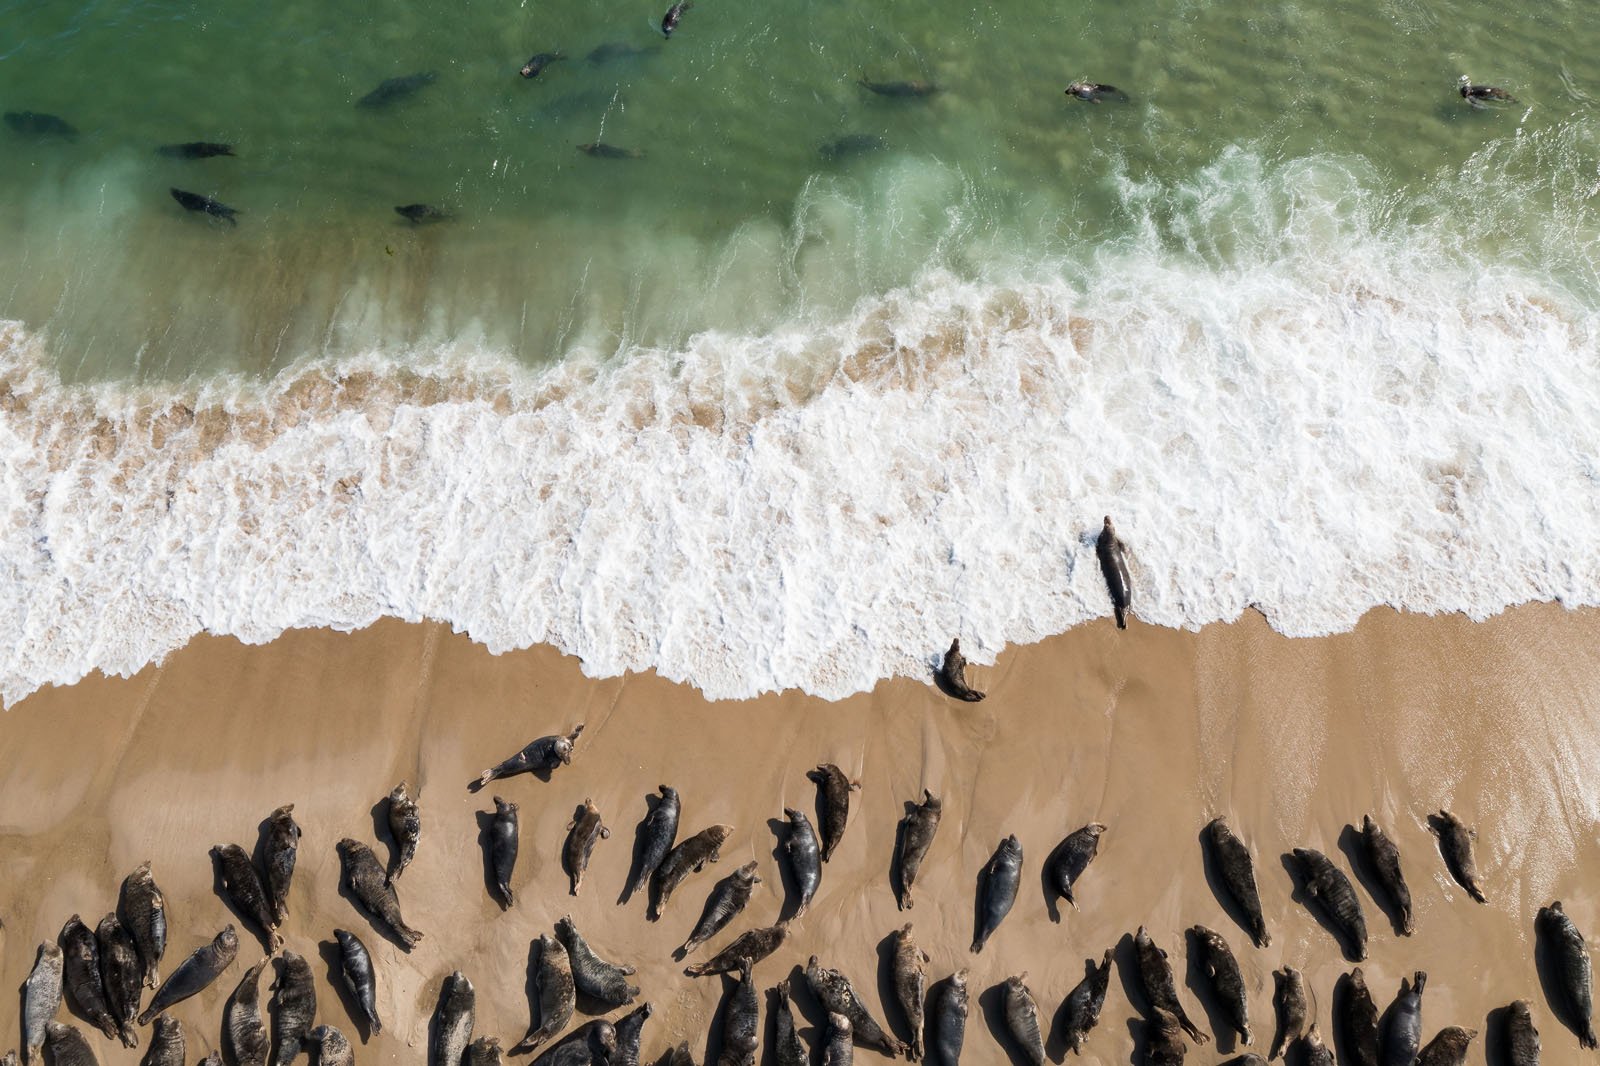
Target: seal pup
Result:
[[583, 832], [1081, 1011], [243, 889], [205, 205], [1001, 879], [688, 857], [40, 124], [282, 848], [1237, 872], [602, 981], [727, 900], [674, 15], [365, 879], [838, 1048], [1094, 92], [244, 1034], [557, 995], [1447, 1048], [1478, 95], [333, 1047], [1166, 1046], [788, 1048], [1155, 975], [949, 1031], [1455, 843], [455, 1016], [953, 672], [503, 837], [166, 1043], [1522, 1036], [1355, 1018], [1328, 885], [833, 790], [630, 1031], [405, 820], [421, 214], [1573, 968], [67, 1046], [1384, 860], [899, 90], [294, 1008], [41, 998], [535, 66], [195, 150], [485, 1051], [1403, 1037], [1289, 1003], [837, 996], [751, 946], [805, 857], [539, 757], [120, 976], [1316, 1053], [910, 973], [1022, 1018], [1218, 964], [393, 90], [355, 968], [81, 973], [1071, 858], [601, 150], [658, 832], [917, 831], [851, 145], [741, 1021], [1108, 547], [143, 911]]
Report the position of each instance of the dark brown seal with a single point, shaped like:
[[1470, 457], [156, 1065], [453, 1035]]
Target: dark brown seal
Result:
[[751, 946], [67, 1046], [741, 1021], [953, 672], [454, 1018], [539, 757], [602, 981], [583, 832], [659, 832], [1071, 858], [1237, 871], [834, 789], [1291, 1007], [1448, 1047], [838, 996], [405, 825], [1384, 860], [688, 857], [120, 975], [1455, 843], [1218, 964], [244, 1034], [789, 1049], [1355, 1018], [282, 848], [294, 1008], [166, 1043], [366, 881], [917, 831], [557, 995], [1022, 1019], [1329, 886], [1155, 973], [1112, 554], [1081, 1012], [244, 890], [143, 912]]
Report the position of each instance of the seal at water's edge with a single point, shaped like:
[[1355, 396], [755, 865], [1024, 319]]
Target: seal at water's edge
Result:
[[244, 1034], [1022, 1018], [540, 756], [1081, 1012], [741, 1021], [602, 981], [751, 946], [658, 833], [503, 840], [120, 976], [557, 995], [1455, 843], [366, 881], [583, 832], [917, 831], [1290, 1005], [143, 912], [1573, 969], [282, 848], [949, 1030], [1114, 566], [455, 1016], [1155, 973], [1072, 858], [1001, 879], [805, 858], [1355, 1018], [1384, 859], [81, 971], [294, 1008], [405, 825], [1217, 963], [837, 995], [1237, 871], [355, 967], [41, 998], [910, 973], [1448, 1047], [834, 788], [953, 672], [244, 890], [1327, 884], [727, 899], [688, 857]]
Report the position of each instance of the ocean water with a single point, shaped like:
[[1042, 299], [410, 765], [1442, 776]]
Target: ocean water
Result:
[[758, 414]]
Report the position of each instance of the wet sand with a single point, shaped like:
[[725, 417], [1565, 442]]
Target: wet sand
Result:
[[1149, 731]]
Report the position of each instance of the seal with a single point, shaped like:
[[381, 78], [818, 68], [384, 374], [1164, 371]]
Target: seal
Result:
[[1155, 974], [1355, 1018], [205, 205], [601, 981], [166, 1043], [838, 996], [833, 791], [741, 1021], [583, 832], [899, 90], [405, 825], [1290, 1005], [1566, 948], [910, 973], [601, 150], [242, 888], [1315, 1054], [40, 124], [1522, 1037], [1094, 92], [1455, 843], [727, 900], [1237, 871], [850, 146], [393, 90], [503, 849], [535, 66], [1165, 1046], [1108, 547], [1001, 879], [953, 672], [674, 15], [1071, 858], [418, 214], [949, 1031], [120, 976], [539, 757], [143, 911], [280, 852], [917, 831], [688, 857], [680, 1056], [81, 971], [1328, 885], [630, 1032], [1081, 1012], [453, 1020], [789, 1048], [355, 968], [484, 1051], [41, 998], [294, 1008], [1218, 964], [1383, 858], [212, 1059], [195, 150], [1479, 95], [557, 995], [333, 1048], [751, 947], [1448, 1047], [838, 1047], [244, 1034], [67, 1046], [1022, 1018], [657, 833], [590, 1043], [365, 879], [805, 858]]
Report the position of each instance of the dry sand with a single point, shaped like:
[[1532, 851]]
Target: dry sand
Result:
[[1151, 732]]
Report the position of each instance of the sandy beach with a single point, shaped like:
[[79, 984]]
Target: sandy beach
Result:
[[1151, 732]]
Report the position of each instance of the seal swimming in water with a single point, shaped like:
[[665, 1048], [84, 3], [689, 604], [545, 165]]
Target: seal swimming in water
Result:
[[282, 848], [539, 757], [1237, 872], [535, 66], [953, 672], [120, 976], [1165, 1046], [405, 823], [1071, 858], [1001, 879], [294, 1008], [787, 1045], [167, 1046], [1081, 1011], [690, 856], [557, 995], [949, 1030], [1217, 963], [727, 899], [910, 972], [1155, 974], [1480, 95], [1522, 1036], [601, 150], [1290, 1005], [393, 90], [1316, 1054], [205, 205], [143, 911], [1094, 92], [838, 1048], [741, 1021], [1328, 885], [902, 90], [333, 1047], [243, 889], [367, 883], [1403, 1038], [630, 1032], [1022, 1018], [1448, 1047], [833, 788], [751, 946], [41, 998], [39, 124], [195, 150], [1110, 550], [805, 860], [1384, 860], [244, 1034], [674, 15], [602, 981], [455, 1016], [81, 970], [1572, 966], [67, 1046], [1455, 843], [420, 214], [851, 145], [583, 832], [837, 996], [355, 967], [485, 1051], [659, 831], [917, 831], [503, 838], [1355, 1018]]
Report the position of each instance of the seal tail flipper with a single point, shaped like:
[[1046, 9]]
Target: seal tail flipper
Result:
[[1122, 617], [1587, 1038], [129, 1038]]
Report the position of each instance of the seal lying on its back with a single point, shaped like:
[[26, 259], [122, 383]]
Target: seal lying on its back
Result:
[[583, 832], [1326, 883], [949, 1019], [1237, 872], [838, 1047], [916, 837], [1072, 858], [81, 969], [1113, 563], [1384, 859], [953, 672], [1290, 1004], [283, 847], [195, 973], [1355, 1018], [688, 857], [1218, 963], [727, 899], [1022, 1018], [355, 966], [1155, 973], [590, 1044], [205, 205], [1572, 968], [484, 1051], [244, 1034], [910, 970], [1001, 879], [1081, 1012], [405, 825], [658, 833], [1455, 842], [41, 998], [557, 995], [365, 879], [143, 911], [602, 981], [541, 756], [751, 946], [835, 790], [838, 996]]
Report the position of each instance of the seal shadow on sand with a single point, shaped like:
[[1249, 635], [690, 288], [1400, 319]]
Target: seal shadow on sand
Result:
[[333, 958], [780, 860], [1204, 992], [1496, 1038], [992, 1003], [1313, 905], [1356, 856], [1219, 890], [651, 802], [1126, 956]]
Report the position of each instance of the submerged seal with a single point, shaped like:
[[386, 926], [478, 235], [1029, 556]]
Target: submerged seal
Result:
[[366, 881], [1081, 1012], [1384, 859], [393, 90], [805, 857], [910, 972], [1001, 879], [1155, 974], [143, 911], [405, 825], [602, 981], [557, 995], [540, 757], [1455, 843], [195, 150], [900, 90], [727, 899], [1218, 964], [355, 967], [294, 1008], [834, 789], [601, 150], [419, 213], [688, 857], [674, 15], [1291, 1007], [1573, 970], [1237, 871], [1094, 92], [535, 66], [37, 123], [1071, 858], [1110, 549], [1327, 884], [953, 672], [454, 1018], [917, 831], [503, 838], [282, 848], [41, 998], [244, 1034], [659, 831], [1022, 1019], [205, 205], [583, 832]]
